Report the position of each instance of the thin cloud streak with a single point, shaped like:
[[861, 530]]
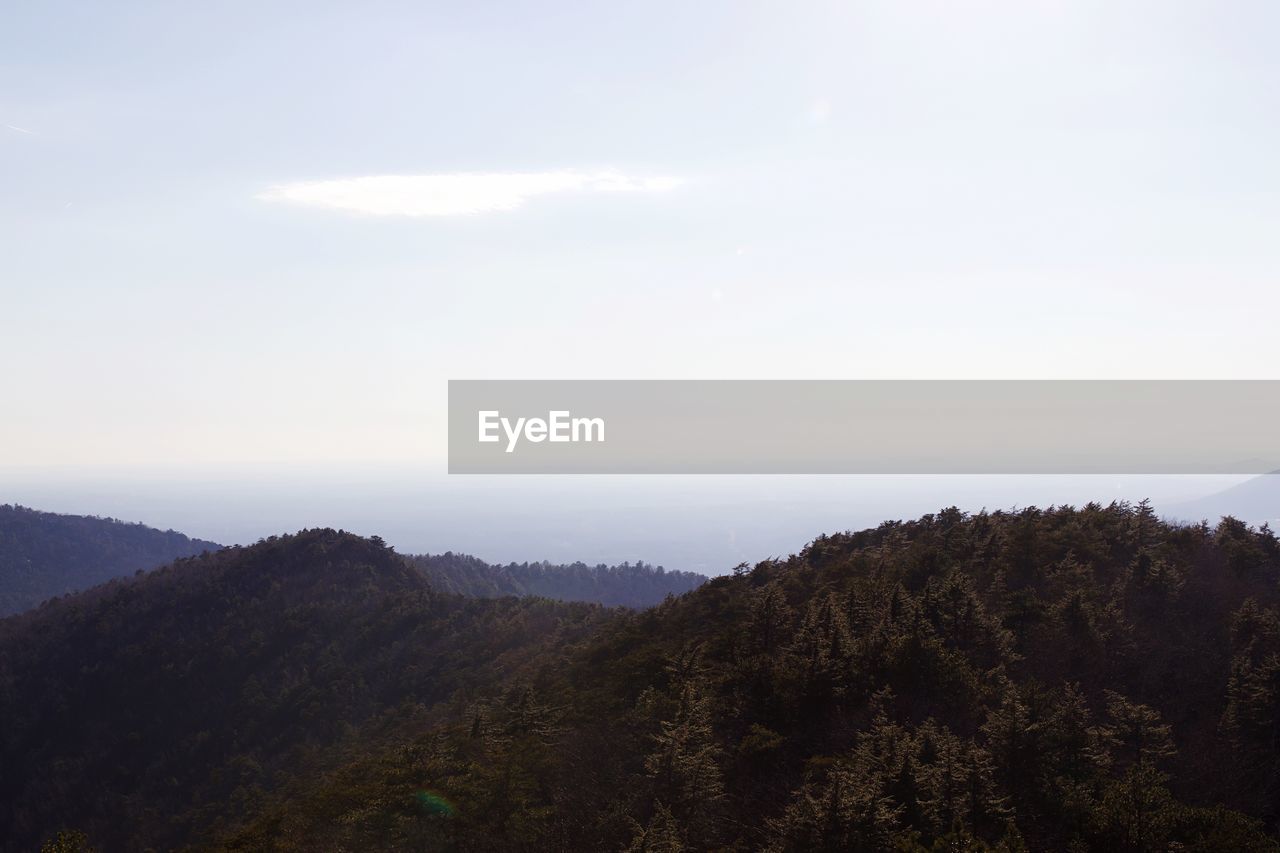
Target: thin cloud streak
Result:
[[17, 129], [458, 194]]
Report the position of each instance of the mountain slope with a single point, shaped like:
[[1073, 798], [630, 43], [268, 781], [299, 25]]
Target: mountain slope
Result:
[[1087, 678], [1061, 679], [626, 585], [43, 554], [153, 710]]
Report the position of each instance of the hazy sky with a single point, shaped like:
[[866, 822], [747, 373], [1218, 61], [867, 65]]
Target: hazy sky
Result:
[[260, 232]]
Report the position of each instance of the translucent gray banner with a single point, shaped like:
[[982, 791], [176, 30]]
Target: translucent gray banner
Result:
[[863, 427]]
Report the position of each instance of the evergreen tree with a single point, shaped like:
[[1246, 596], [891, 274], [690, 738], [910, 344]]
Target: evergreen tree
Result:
[[684, 762], [662, 835]]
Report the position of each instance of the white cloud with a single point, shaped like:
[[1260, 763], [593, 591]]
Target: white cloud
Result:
[[458, 194]]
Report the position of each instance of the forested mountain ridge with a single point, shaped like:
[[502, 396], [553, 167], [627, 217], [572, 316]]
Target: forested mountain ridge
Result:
[[627, 585], [43, 554], [152, 710], [1066, 679], [1062, 679]]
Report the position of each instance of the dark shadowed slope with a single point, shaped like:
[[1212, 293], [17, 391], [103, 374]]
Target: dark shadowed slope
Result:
[[157, 709], [627, 585], [43, 554]]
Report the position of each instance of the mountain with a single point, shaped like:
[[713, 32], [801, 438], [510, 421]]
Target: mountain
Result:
[[1084, 679], [1065, 679], [1256, 500], [43, 555], [626, 585], [153, 710]]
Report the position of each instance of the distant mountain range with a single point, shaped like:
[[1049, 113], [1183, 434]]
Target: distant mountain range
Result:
[[1256, 501], [636, 585], [43, 554]]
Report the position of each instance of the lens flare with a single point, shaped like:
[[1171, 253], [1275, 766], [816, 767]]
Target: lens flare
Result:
[[435, 804]]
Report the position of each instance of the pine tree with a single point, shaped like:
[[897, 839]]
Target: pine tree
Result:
[[662, 835], [846, 813], [1135, 807], [768, 621], [1135, 734], [823, 651], [684, 763], [1015, 734], [957, 781]]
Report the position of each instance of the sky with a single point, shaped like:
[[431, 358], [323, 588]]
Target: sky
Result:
[[245, 234]]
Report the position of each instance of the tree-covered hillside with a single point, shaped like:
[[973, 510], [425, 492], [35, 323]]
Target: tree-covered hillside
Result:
[[1063, 679], [626, 585], [153, 710], [43, 554]]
